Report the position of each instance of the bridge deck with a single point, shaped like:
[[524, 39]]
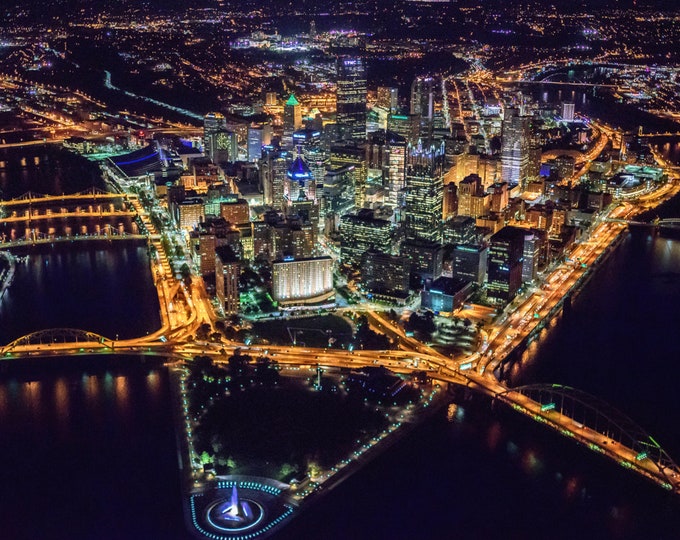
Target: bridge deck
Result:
[[38, 198], [65, 215]]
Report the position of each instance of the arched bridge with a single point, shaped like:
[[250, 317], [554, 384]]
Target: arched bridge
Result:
[[601, 427], [55, 336]]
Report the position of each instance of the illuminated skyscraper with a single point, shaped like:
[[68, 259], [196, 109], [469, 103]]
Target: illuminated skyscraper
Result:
[[422, 97], [422, 104], [300, 183], [219, 143], [362, 232], [505, 263], [406, 125], [309, 145], [515, 146], [273, 170], [424, 193], [214, 121], [292, 120], [352, 155], [351, 98], [227, 272], [532, 248], [386, 156], [258, 136]]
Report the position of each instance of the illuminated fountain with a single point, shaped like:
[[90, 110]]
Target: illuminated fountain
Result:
[[237, 511], [234, 514], [239, 508]]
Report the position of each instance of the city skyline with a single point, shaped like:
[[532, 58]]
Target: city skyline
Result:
[[326, 225]]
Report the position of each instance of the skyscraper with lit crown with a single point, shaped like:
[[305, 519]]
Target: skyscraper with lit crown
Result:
[[292, 120], [300, 183], [351, 98]]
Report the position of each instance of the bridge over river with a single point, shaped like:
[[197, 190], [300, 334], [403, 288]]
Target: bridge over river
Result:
[[34, 217], [574, 414]]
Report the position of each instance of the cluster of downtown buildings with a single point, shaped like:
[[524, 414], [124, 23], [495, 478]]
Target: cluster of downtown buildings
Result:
[[398, 196]]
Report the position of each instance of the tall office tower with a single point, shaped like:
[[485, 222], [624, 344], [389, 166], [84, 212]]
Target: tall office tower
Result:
[[219, 143], [361, 232], [469, 262], [292, 120], [515, 146], [351, 98], [406, 125], [376, 158], [388, 98], [423, 210], [385, 274], [396, 149], [336, 183], [531, 255], [505, 263], [385, 158], [258, 136], [352, 155], [213, 122], [422, 104], [273, 173], [534, 166], [309, 144], [227, 272], [568, 109]]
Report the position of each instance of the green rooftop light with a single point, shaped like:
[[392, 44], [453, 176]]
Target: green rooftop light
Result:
[[292, 101]]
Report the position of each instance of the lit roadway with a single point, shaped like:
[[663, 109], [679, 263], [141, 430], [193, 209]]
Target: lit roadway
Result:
[[534, 307]]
